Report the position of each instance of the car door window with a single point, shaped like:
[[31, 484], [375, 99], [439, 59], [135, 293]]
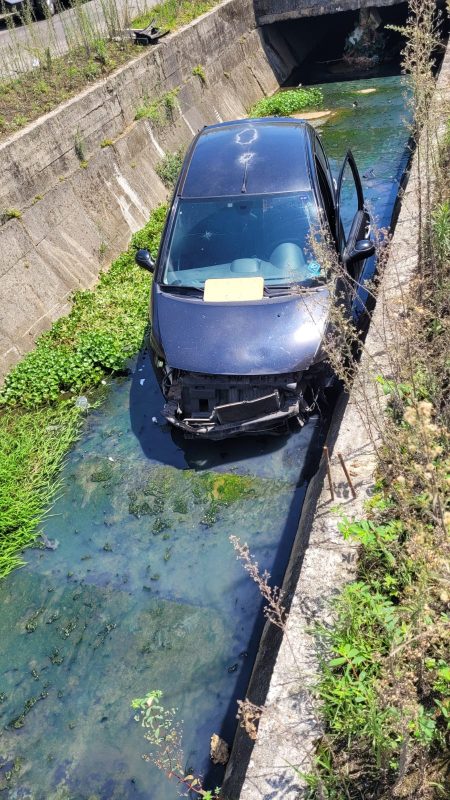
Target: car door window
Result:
[[326, 196], [324, 161], [349, 197]]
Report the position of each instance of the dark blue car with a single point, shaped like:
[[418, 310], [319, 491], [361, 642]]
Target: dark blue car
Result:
[[240, 302]]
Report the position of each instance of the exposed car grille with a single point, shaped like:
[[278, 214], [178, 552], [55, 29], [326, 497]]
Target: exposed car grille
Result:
[[202, 394]]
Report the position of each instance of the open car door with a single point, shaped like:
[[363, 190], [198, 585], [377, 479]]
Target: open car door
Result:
[[352, 219]]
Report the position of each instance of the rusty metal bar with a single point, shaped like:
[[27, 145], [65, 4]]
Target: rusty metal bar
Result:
[[347, 475]]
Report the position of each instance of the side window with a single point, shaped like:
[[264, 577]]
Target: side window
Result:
[[349, 200], [326, 195], [320, 152]]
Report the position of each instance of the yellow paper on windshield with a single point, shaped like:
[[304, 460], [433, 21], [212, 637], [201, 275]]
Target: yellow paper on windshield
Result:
[[233, 290]]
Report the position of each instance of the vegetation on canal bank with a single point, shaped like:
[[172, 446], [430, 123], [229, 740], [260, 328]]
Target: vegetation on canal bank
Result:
[[93, 53], [38, 418], [385, 681], [287, 102]]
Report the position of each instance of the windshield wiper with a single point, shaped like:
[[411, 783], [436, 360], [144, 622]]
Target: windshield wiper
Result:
[[278, 291], [189, 290], [294, 288]]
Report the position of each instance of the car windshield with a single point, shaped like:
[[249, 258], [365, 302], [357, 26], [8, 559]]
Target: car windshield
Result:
[[265, 235]]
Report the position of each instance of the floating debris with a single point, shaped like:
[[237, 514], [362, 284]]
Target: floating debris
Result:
[[82, 402], [49, 544]]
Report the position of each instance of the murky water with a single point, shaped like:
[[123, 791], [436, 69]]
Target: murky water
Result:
[[143, 590]]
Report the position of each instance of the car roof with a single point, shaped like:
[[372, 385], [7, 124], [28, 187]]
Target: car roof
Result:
[[252, 156]]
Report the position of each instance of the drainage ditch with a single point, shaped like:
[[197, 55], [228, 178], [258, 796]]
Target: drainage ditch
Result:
[[138, 587]]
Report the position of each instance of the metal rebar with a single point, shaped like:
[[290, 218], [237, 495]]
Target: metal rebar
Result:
[[347, 475], [330, 482]]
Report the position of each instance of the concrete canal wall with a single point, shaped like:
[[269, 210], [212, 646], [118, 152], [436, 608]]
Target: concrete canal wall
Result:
[[76, 217], [321, 561]]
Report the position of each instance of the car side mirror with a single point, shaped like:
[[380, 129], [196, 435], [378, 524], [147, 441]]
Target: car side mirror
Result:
[[364, 248], [144, 259]]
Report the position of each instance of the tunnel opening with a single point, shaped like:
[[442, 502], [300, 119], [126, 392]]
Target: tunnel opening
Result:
[[334, 47]]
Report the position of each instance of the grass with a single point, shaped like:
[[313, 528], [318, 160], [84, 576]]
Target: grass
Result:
[[199, 71], [90, 57], [32, 450], [32, 94], [159, 111], [38, 418], [169, 168], [10, 213], [385, 682], [286, 102], [173, 13]]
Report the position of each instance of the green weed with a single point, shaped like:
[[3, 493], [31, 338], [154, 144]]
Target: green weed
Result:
[[159, 111], [32, 449], [169, 168], [286, 102], [104, 328], [441, 230], [79, 146], [10, 213], [37, 423], [173, 13], [199, 71]]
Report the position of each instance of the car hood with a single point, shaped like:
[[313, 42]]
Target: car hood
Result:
[[272, 336]]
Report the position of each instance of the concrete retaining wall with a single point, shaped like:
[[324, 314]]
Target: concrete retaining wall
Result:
[[74, 219], [321, 561]]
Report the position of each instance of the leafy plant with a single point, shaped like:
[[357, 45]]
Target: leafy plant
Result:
[[105, 327], [159, 111], [199, 71], [287, 102], [163, 732], [11, 213], [169, 168]]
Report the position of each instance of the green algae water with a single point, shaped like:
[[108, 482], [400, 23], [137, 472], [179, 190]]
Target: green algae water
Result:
[[137, 586]]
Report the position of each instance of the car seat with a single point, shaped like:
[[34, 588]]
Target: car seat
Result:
[[289, 259]]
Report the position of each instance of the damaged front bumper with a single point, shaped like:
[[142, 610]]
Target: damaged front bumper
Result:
[[220, 407]]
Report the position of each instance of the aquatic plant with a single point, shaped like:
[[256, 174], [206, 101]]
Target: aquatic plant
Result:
[[163, 732], [105, 327], [286, 102], [32, 449], [173, 491]]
